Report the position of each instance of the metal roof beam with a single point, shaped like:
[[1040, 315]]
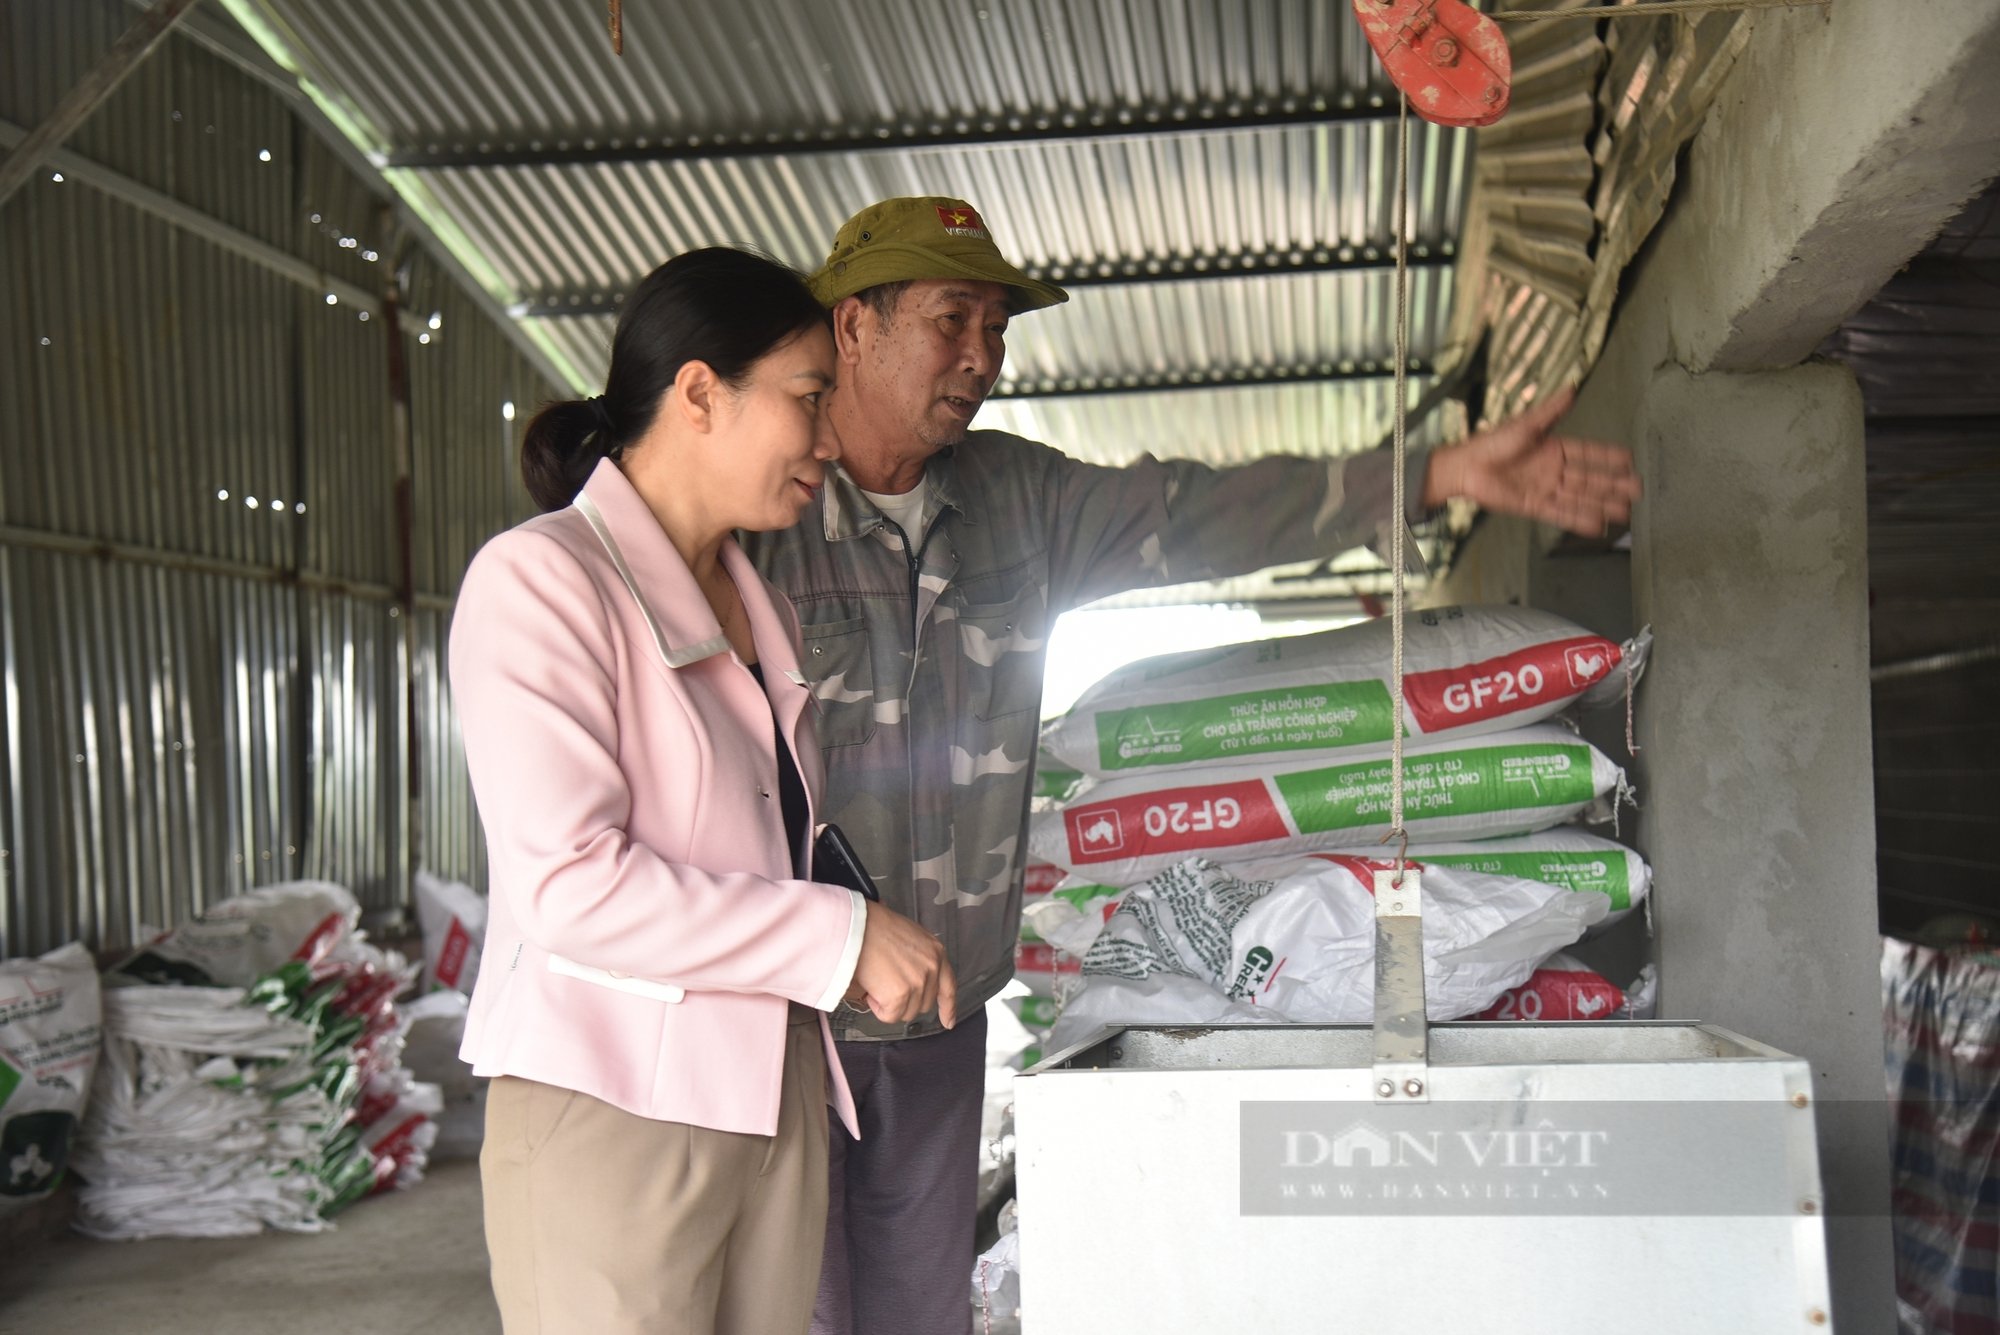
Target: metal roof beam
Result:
[[900, 136], [221, 36], [1101, 273], [71, 166], [1234, 377], [90, 92]]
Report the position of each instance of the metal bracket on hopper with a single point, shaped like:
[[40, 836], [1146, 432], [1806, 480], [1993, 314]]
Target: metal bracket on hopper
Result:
[[1402, 1036]]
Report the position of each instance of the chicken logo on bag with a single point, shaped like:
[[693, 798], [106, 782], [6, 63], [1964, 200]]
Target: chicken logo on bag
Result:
[[1586, 665], [1097, 832]]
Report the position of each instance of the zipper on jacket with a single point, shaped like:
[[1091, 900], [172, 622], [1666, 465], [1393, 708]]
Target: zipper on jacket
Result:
[[916, 564]]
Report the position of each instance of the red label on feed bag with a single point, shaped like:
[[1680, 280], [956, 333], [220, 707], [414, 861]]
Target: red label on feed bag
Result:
[[1174, 820], [1040, 957], [1558, 994], [321, 939], [1457, 696], [451, 959], [1040, 878]]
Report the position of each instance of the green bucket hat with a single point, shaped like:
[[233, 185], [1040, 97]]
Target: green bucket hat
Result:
[[931, 236]]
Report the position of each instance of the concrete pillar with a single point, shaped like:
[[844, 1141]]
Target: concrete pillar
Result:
[[1840, 142], [1755, 769]]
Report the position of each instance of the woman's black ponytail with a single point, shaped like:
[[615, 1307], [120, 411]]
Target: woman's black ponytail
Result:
[[560, 449], [725, 307]]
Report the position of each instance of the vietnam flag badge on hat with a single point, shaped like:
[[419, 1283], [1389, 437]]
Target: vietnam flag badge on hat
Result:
[[961, 220]]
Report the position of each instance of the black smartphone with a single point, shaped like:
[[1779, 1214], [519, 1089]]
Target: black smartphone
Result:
[[836, 863]]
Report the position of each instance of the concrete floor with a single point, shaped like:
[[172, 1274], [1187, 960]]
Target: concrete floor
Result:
[[413, 1261], [407, 1263]]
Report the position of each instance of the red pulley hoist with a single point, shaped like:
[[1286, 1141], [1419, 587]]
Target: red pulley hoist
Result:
[[1448, 59]]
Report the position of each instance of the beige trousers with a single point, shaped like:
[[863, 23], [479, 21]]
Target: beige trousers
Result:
[[601, 1222]]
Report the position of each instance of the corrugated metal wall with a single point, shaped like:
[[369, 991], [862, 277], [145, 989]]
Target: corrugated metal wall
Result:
[[208, 680]]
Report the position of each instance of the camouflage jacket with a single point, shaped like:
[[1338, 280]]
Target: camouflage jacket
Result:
[[928, 668]]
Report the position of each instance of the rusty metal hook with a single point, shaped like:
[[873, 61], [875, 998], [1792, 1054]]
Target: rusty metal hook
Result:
[[1402, 850]]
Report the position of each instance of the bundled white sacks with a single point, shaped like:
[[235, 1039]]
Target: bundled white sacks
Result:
[[1466, 671], [273, 1101], [51, 1034], [1123, 830], [1293, 939], [205, 1115], [398, 1121], [242, 938]]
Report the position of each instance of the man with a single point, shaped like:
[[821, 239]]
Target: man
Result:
[[926, 577]]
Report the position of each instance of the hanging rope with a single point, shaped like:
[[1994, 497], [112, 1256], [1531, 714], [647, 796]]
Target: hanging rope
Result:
[[617, 20], [1399, 503], [1647, 8]]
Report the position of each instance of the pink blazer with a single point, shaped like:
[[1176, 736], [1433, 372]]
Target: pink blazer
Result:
[[645, 931]]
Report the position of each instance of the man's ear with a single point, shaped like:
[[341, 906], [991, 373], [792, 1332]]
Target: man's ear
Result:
[[851, 318], [696, 386]]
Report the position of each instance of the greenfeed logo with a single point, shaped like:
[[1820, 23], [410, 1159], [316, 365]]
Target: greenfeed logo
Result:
[[1535, 770], [1147, 739], [1256, 968]]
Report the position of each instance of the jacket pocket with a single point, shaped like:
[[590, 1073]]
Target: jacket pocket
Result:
[[617, 982], [841, 666], [1001, 649]]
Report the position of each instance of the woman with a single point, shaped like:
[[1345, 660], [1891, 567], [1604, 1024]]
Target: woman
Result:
[[657, 962]]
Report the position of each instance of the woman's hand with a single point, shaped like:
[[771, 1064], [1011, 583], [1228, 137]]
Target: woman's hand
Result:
[[903, 972]]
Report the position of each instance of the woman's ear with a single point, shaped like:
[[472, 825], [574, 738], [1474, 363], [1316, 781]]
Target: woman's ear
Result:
[[696, 387]]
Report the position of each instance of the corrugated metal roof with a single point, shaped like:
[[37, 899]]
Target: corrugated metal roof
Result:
[[1326, 325], [1224, 426], [1096, 136], [596, 229], [521, 71]]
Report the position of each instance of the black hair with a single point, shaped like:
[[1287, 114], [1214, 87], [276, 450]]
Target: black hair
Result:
[[885, 297], [725, 307]]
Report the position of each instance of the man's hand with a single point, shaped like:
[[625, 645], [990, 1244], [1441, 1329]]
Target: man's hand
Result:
[[902, 971], [1521, 468]]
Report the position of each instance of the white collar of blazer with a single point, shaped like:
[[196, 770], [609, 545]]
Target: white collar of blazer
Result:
[[676, 612]]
